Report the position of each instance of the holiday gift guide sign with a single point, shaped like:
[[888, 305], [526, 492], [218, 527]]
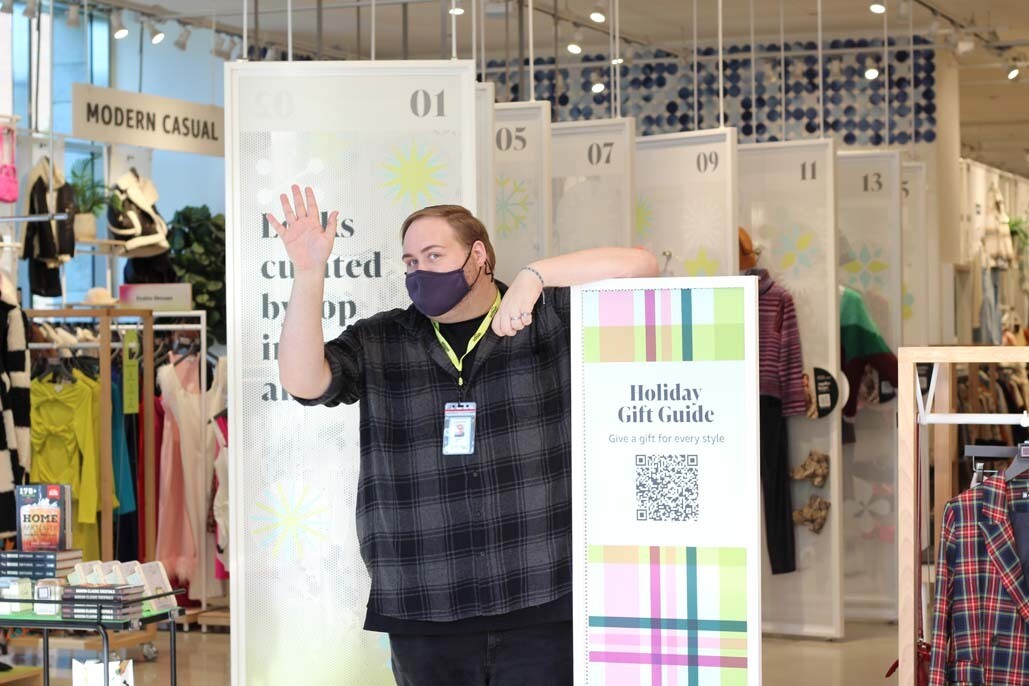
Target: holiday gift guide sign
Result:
[[665, 491], [375, 141]]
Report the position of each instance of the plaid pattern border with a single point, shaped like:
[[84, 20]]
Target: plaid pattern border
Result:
[[667, 615], [666, 325]]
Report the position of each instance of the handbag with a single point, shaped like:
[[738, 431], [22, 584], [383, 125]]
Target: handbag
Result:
[[8, 172], [923, 651]]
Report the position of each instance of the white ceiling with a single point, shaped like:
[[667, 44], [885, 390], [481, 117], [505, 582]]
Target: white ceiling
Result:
[[994, 111]]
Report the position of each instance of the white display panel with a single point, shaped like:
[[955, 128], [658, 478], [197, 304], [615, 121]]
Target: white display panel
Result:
[[871, 262], [665, 486], [592, 172], [485, 162], [686, 202], [384, 139], [522, 186], [916, 269], [787, 203]]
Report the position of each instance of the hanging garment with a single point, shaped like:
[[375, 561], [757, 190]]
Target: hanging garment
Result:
[[48, 244], [989, 313], [996, 237], [175, 547], [125, 547], [782, 366], [220, 506], [981, 612], [775, 485], [132, 216], [141, 474], [180, 389], [65, 445], [15, 401], [861, 346]]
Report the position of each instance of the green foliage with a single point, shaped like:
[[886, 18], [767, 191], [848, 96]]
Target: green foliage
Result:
[[1018, 232], [198, 255], [90, 192]]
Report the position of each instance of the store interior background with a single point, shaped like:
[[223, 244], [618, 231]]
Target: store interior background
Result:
[[959, 72]]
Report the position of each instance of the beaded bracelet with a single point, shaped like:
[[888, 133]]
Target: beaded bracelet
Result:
[[540, 277]]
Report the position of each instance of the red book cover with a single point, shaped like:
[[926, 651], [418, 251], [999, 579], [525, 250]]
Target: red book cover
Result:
[[44, 516]]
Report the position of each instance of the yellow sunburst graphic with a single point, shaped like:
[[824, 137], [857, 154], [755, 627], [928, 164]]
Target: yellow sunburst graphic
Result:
[[291, 516], [701, 265], [414, 175]]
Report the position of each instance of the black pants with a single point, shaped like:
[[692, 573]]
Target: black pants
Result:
[[775, 483], [534, 656]]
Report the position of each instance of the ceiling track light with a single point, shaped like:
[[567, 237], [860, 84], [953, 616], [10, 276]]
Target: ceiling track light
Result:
[[575, 44], [118, 29], [6, 6], [598, 15], [877, 8], [31, 10], [71, 20], [1014, 69], [871, 70], [183, 38], [156, 34], [231, 49], [219, 46], [456, 9]]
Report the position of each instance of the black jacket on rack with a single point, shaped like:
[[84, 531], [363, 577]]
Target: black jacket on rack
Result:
[[48, 244]]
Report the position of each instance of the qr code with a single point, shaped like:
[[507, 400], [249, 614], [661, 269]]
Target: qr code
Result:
[[667, 488], [824, 400]]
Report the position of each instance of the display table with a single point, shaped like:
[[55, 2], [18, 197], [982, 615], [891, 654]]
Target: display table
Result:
[[48, 623], [22, 676]]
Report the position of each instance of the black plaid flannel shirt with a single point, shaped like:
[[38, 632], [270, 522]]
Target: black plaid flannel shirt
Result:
[[447, 537]]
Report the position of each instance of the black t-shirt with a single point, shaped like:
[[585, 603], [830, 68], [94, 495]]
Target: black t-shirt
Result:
[[457, 335]]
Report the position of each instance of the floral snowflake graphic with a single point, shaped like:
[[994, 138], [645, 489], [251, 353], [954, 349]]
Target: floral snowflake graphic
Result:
[[414, 175], [795, 251], [644, 223], [701, 264], [865, 268], [908, 310], [513, 203], [290, 517]]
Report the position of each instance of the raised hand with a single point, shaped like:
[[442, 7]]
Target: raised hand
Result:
[[307, 242]]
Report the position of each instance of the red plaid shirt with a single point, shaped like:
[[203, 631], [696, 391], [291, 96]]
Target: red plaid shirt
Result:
[[981, 623]]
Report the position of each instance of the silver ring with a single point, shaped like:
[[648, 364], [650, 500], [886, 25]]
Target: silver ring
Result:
[[526, 314], [515, 318]]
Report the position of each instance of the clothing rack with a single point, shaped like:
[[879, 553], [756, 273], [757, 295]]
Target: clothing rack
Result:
[[106, 317], [913, 415]]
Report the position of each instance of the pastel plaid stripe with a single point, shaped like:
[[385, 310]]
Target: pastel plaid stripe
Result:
[[649, 622], [663, 325]]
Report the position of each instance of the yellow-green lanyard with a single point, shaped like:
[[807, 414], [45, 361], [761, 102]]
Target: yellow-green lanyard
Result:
[[458, 362]]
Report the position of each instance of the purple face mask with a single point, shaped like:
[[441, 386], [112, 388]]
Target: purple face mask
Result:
[[434, 293]]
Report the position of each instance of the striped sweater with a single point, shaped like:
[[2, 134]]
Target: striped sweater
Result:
[[15, 437], [781, 362]]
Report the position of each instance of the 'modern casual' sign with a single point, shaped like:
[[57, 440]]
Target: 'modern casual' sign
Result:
[[114, 116]]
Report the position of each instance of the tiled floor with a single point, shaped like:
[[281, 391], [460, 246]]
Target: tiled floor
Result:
[[859, 660]]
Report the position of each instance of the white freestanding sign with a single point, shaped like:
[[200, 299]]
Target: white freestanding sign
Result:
[[592, 172], [665, 491], [521, 149], [916, 241], [376, 141], [787, 203], [485, 163], [686, 201], [871, 263]]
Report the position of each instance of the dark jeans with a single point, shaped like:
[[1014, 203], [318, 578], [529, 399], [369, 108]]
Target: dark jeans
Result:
[[775, 484], [538, 656]]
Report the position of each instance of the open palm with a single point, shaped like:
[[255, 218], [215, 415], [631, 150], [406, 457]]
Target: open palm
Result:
[[307, 242]]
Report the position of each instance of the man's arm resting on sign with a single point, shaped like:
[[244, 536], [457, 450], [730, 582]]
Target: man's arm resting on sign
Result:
[[595, 264]]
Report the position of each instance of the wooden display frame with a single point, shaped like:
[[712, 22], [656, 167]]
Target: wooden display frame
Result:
[[908, 536]]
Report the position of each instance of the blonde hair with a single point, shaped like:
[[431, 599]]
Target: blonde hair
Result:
[[466, 227]]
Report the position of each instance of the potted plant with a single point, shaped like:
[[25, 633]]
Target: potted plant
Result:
[[90, 196], [197, 241]]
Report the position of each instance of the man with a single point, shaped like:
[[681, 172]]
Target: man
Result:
[[464, 502]]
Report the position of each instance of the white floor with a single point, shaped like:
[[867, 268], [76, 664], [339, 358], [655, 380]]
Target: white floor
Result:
[[860, 659]]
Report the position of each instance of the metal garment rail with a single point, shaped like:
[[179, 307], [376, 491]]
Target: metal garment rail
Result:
[[105, 318], [913, 413]]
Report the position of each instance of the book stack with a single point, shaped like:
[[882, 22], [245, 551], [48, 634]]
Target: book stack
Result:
[[49, 589], [39, 564], [108, 602], [16, 590]]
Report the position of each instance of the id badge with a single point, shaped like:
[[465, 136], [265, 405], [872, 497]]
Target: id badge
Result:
[[459, 428]]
